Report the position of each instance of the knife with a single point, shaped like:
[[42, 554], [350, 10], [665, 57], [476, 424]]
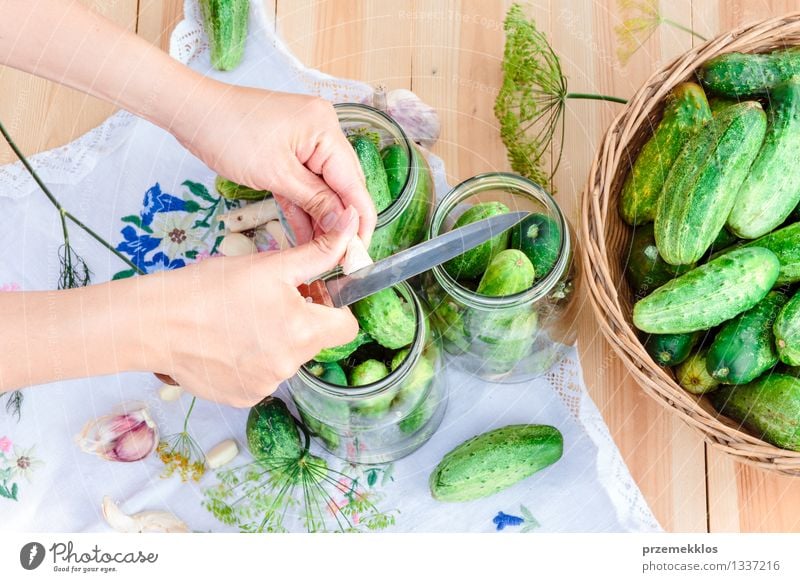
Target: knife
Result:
[[347, 289]]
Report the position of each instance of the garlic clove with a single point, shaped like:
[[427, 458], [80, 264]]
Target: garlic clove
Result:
[[275, 230], [235, 244], [125, 436], [251, 215], [418, 119], [222, 454], [356, 256], [169, 392], [144, 522]]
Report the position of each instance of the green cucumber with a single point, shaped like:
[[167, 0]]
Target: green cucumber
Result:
[[508, 273], [473, 263], [369, 372], [718, 103], [692, 374], [336, 353], [371, 163], [414, 394], [225, 22], [330, 372], [745, 347], [785, 243], [686, 111], [234, 191], [743, 75], [701, 187], [645, 270], [539, 237], [397, 164], [709, 294], [670, 349], [493, 461], [772, 188], [327, 434], [769, 407], [385, 318], [272, 435], [787, 332]]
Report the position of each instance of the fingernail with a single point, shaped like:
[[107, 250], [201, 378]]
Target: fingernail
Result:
[[346, 220], [330, 220]]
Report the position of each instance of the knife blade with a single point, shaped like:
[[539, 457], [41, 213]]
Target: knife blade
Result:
[[347, 289]]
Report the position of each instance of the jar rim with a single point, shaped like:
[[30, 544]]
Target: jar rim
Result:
[[399, 374], [399, 204], [513, 183]]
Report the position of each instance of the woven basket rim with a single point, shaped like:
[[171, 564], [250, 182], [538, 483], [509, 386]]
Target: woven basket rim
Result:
[[598, 200]]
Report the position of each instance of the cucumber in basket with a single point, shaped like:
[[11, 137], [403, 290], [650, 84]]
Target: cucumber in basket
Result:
[[686, 110], [670, 349], [645, 270], [709, 294], [692, 374], [701, 187], [742, 75], [787, 332]]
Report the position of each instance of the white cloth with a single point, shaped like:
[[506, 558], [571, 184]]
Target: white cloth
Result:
[[102, 177]]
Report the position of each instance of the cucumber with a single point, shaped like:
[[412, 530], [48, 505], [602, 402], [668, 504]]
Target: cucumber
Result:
[[328, 435], [701, 186], [510, 343], [743, 75], [745, 347], [371, 163], [539, 237], [496, 460], [336, 353], [645, 270], [234, 191], [787, 332], [509, 272], [272, 435], [369, 372], [330, 372], [473, 263], [670, 349], [412, 393], [718, 103], [225, 22], [772, 188], [692, 374], [397, 164], [769, 407], [449, 317], [709, 294], [686, 110], [385, 318], [785, 243]]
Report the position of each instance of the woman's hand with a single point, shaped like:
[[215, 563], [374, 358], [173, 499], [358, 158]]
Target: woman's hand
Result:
[[243, 327], [289, 144]]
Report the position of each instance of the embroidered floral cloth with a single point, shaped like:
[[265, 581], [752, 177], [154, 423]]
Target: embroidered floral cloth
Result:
[[138, 188]]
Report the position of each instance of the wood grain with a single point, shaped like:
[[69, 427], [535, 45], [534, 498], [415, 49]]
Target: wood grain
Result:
[[449, 52]]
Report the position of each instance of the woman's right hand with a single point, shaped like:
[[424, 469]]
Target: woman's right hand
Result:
[[230, 329]]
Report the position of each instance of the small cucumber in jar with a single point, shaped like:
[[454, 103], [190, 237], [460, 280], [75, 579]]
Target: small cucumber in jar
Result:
[[385, 318], [330, 372], [336, 353], [397, 164], [371, 163], [539, 237], [472, 264]]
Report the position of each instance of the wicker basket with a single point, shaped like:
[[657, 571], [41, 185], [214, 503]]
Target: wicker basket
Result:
[[605, 237]]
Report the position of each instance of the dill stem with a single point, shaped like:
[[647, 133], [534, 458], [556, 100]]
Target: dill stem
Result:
[[188, 414], [683, 28], [595, 97]]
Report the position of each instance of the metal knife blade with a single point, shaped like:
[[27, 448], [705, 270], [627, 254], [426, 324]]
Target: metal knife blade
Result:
[[348, 289]]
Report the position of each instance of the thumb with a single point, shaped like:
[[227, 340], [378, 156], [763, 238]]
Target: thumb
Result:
[[320, 254]]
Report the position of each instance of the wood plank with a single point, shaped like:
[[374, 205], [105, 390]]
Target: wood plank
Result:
[[157, 18], [41, 115], [743, 498]]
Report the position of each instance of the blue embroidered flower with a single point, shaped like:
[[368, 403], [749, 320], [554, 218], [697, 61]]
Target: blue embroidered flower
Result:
[[137, 246], [156, 201], [527, 521], [501, 520], [162, 262]]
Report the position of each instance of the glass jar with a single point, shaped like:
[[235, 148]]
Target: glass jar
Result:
[[385, 420], [405, 222], [516, 337]]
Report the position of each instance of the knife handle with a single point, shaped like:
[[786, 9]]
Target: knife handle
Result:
[[314, 292]]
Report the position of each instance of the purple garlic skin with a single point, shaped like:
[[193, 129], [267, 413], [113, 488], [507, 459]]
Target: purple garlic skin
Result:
[[418, 119], [126, 436]]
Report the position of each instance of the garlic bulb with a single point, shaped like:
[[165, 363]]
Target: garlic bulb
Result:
[[125, 436], [355, 256], [418, 119], [236, 244], [144, 522]]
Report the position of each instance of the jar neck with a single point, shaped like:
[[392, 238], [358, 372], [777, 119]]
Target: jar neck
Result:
[[398, 375], [519, 186]]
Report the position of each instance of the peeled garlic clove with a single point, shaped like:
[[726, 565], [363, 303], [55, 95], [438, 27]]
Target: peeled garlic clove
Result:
[[251, 215], [235, 244], [169, 392], [144, 522], [418, 119], [222, 454], [355, 256], [275, 230], [125, 436]]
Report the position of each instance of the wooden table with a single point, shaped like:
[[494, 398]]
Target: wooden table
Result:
[[449, 53]]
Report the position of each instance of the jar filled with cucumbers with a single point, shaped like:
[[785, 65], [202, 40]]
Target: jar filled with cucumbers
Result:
[[504, 308], [398, 177], [383, 395]]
